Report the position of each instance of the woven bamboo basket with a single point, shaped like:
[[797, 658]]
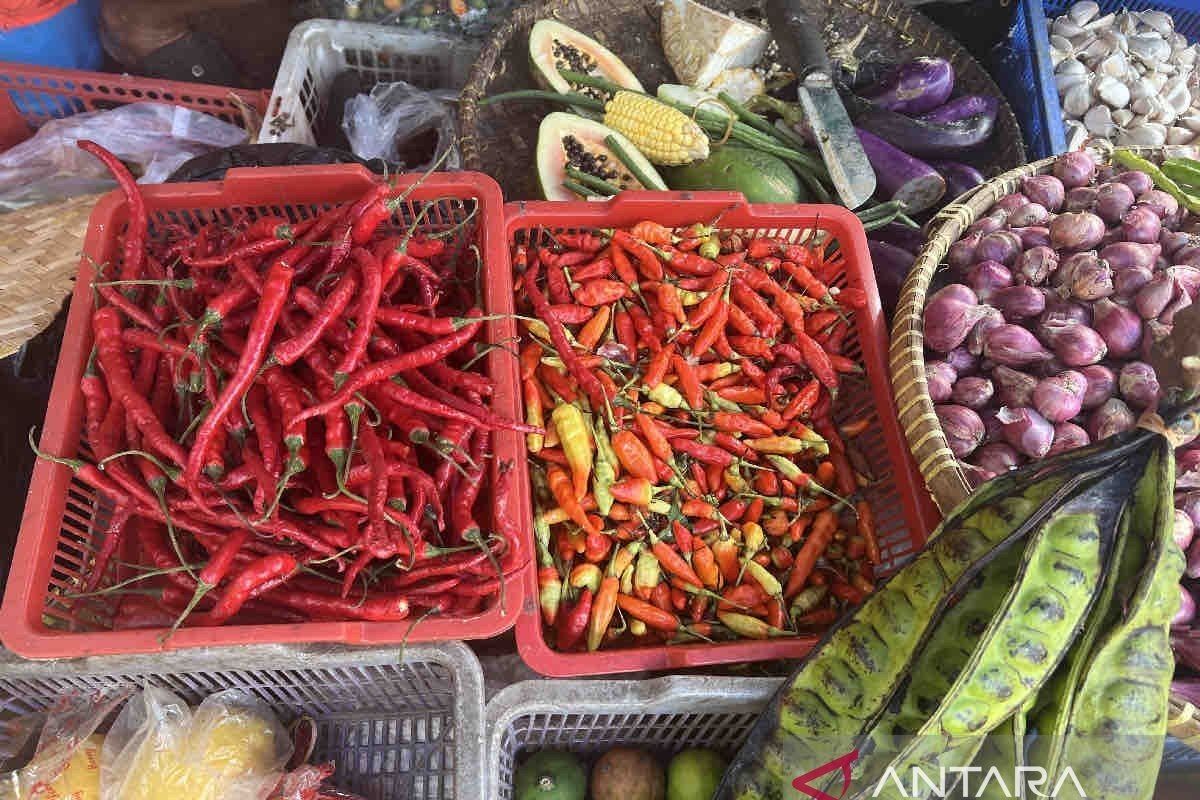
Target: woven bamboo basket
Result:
[[39, 256], [500, 139], [945, 479]]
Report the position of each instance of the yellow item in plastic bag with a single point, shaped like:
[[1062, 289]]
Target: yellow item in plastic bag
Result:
[[226, 750], [80, 779]]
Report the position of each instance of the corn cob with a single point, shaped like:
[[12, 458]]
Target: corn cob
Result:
[[663, 134]]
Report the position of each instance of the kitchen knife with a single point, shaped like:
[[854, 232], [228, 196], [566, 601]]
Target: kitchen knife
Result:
[[801, 49]]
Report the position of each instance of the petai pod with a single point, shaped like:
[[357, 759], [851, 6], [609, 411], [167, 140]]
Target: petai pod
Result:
[[843, 687], [1035, 625], [1119, 719], [1056, 701]]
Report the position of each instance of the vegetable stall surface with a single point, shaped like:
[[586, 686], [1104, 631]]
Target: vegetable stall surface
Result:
[[260, 446], [711, 470]]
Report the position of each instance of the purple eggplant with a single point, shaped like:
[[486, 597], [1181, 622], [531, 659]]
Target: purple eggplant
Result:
[[960, 178], [902, 236], [891, 265], [915, 87], [907, 180], [964, 107], [924, 139]]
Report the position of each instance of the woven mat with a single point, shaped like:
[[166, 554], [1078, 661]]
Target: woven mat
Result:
[[39, 256]]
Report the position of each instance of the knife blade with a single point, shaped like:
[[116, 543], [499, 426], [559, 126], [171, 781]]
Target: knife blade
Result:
[[801, 49]]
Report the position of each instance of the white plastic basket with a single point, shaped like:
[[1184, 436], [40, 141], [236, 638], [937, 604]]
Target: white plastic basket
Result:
[[665, 715], [398, 724], [320, 49]]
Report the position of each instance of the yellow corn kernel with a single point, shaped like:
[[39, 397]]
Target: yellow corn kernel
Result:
[[663, 134]]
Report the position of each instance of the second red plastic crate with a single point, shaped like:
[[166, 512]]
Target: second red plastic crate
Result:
[[903, 511]]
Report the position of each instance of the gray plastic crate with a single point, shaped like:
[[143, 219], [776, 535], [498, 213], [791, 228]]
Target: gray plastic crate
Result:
[[665, 716], [320, 49], [399, 724]]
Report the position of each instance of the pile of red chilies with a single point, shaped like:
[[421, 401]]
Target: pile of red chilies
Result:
[[285, 419]]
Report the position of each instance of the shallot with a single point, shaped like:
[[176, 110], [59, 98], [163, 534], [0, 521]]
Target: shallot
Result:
[[963, 428], [1026, 430]]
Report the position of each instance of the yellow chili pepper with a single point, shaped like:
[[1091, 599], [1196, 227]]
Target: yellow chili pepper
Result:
[[690, 298], [553, 516], [667, 395], [637, 627], [749, 627], [586, 576], [787, 445], [604, 473], [574, 434], [646, 574], [627, 581], [735, 481], [764, 578], [753, 537]]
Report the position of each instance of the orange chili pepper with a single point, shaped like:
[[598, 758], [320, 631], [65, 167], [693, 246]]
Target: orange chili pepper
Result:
[[564, 494], [668, 301], [705, 564], [623, 266], [754, 511], [855, 427], [634, 491], [818, 540], [654, 617], [725, 551], [557, 382], [531, 356], [647, 260], [656, 369], [695, 507], [746, 395], [590, 333], [597, 546], [673, 562], [534, 414], [679, 598], [774, 613], [652, 232], [634, 456], [689, 382], [866, 529], [803, 401], [716, 479], [826, 474]]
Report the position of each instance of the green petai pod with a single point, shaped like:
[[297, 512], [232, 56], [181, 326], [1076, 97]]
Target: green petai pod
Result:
[[1118, 721], [1043, 612]]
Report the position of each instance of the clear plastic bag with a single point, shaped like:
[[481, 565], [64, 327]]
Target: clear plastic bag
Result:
[[230, 748], [402, 124], [153, 138], [66, 760]]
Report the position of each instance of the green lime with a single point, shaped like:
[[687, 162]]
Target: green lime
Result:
[[694, 775], [550, 775]]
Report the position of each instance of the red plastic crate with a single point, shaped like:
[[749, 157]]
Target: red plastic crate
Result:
[[31, 95], [61, 527], [903, 511]]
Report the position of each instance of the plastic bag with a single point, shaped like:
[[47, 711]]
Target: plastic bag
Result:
[[66, 759], [230, 748], [409, 127], [153, 138]]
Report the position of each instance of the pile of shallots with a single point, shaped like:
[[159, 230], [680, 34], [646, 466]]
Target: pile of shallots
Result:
[[1038, 345], [1058, 292]]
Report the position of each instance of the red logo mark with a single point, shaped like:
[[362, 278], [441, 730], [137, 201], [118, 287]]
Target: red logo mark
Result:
[[844, 762]]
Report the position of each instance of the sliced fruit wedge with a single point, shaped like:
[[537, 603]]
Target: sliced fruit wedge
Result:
[[554, 46], [569, 140]]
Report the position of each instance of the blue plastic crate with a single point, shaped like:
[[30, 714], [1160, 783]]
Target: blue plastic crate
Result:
[[1024, 72]]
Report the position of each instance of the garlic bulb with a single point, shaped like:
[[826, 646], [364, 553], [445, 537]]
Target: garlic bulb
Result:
[[1128, 75]]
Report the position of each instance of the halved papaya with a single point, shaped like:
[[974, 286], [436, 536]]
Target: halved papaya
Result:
[[554, 46], [566, 139]]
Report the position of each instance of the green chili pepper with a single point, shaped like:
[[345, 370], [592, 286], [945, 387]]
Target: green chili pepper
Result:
[[1133, 161]]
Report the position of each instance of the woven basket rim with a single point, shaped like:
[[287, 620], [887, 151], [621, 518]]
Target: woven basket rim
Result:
[[944, 478], [894, 13]]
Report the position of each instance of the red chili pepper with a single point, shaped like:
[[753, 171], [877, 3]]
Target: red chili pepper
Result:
[[624, 268], [648, 264], [647, 335], [585, 378], [133, 248], [689, 382], [625, 331], [110, 354], [572, 626]]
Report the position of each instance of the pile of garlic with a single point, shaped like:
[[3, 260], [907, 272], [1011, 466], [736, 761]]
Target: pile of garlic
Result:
[[1127, 77]]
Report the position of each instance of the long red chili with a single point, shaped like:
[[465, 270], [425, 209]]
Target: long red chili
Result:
[[133, 250]]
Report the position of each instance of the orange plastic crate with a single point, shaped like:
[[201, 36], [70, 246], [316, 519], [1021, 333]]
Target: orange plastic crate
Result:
[[63, 520], [903, 511], [31, 96]]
